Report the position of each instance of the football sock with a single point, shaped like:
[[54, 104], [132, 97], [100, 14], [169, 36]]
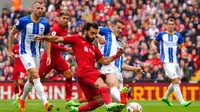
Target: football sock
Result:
[[169, 91], [105, 94], [115, 94], [16, 89], [68, 89], [21, 86], [27, 88], [40, 90], [178, 93], [89, 106]]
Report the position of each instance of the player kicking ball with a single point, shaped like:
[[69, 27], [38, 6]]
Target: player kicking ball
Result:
[[91, 81], [113, 71]]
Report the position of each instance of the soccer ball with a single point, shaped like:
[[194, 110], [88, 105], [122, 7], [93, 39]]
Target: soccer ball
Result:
[[134, 107]]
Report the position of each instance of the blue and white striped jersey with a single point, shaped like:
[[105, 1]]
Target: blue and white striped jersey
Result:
[[111, 46], [169, 46], [28, 30]]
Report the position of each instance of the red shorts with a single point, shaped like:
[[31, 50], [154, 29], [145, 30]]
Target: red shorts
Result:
[[19, 72], [87, 83], [60, 65]]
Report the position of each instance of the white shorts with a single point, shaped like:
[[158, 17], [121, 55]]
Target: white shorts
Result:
[[107, 69], [30, 61], [172, 70]]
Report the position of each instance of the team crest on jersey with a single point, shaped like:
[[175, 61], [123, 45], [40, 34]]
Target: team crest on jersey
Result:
[[53, 33], [29, 64], [86, 49]]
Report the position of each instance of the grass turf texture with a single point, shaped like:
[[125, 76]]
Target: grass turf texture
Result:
[[59, 106]]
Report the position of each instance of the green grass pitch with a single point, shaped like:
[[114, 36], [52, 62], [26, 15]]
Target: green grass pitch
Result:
[[147, 106]]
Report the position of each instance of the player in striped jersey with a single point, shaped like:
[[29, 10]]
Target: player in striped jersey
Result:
[[29, 51], [170, 40], [113, 70]]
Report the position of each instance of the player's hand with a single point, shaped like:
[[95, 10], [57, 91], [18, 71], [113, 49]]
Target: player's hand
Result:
[[101, 39], [48, 62], [154, 48], [11, 55], [37, 37], [139, 71], [120, 51]]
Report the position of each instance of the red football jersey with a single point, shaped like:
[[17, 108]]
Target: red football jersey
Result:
[[55, 48], [17, 60], [86, 53]]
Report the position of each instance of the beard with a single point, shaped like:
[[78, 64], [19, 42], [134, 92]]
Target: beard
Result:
[[90, 40]]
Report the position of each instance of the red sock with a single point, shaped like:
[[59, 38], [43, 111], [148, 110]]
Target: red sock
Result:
[[16, 90], [89, 106], [105, 94], [22, 89], [68, 89], [123, 96]]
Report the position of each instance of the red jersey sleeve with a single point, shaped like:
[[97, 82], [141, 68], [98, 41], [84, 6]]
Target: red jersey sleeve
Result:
[[70, 39], [15, 49], [54, 31], [57, 47], [98, 53]]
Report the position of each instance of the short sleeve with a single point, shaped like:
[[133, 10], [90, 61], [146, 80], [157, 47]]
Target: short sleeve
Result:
[[70, 39], [19, 25], [104, 30], [47, 29], [98, 53], [159, 37], [54, 31], [180, 39]]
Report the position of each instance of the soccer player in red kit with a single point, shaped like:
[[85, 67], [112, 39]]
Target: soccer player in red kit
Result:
[[57, 61], [90, 80], [19, 71]]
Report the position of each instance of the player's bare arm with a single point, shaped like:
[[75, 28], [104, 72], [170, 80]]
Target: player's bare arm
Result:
[[153, 46], [137, 70], [107, 60], [100, 39], [48, 50], [49, 38], [10, 43], [183, 50]]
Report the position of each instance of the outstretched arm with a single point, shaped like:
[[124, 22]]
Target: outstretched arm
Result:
[[137, 70], [107, 60], [49, 38]]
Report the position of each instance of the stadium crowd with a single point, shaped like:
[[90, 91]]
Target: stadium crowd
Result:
[[143, 18]]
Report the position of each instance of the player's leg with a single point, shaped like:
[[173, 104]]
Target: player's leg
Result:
[[15, 81], [44, 69], [31, 64], [63, 68], [172, 71], [178, 93], [168, 71], [113, 84], [105, 94], [22, 75], [38, 85], [91, 105]]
